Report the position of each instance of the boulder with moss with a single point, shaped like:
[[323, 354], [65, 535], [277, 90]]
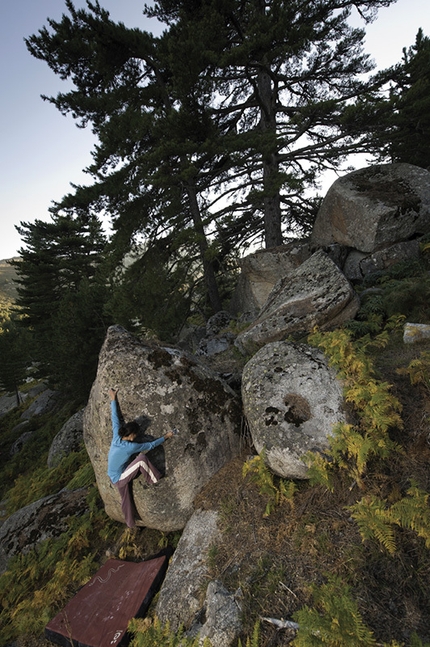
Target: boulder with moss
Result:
[[162, 388], [375, 207], [315, 294], [292, 399]]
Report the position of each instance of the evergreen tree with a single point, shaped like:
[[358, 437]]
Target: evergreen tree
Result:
[[283, 75], [401, 128], [217, 127], [15, 357], [145, 177], [60, 296]]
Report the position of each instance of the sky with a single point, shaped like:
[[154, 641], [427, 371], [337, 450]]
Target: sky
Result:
[[42, 152]]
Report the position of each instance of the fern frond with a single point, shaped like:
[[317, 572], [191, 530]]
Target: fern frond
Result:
[[320, 470], [374, 521], [335, 620], [413, 512]]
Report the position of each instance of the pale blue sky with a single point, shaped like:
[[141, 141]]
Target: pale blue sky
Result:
[[42, 152]]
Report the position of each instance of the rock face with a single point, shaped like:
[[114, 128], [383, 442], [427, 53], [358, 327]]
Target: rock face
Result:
[[222, 624], [317, 293], [375, 207], [291, 400], [181, 596], [162, 388], [43, 403], [358, 264], [261, 271], [69, 439], [38, 521], [414, 333]]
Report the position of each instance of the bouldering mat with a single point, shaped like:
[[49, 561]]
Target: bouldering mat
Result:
[[98, 615]]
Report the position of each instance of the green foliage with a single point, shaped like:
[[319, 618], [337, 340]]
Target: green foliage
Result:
[[34, 453], [351, 447], [15, 353], [73, 471], [254, 640], [405, 130], [403, 289], [260, 474], [335, 619], [417, 642], [153, 293], [418, 370], [61, 296], [375, 519], [147, 633]]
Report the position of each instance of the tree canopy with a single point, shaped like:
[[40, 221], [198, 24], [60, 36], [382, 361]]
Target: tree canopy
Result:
[[401, 121], [220, 124], [61, 298]]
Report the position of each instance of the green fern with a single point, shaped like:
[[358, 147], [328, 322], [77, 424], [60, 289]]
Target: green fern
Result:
[[418, 370], [320, 470], [334, 620], [376, 520], [351, 447], [413, 512], [261, 475], [254, 641], [417, 642], [373, 521], [147, 633]]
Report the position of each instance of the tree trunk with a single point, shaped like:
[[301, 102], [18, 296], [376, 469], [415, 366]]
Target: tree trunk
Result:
[[271, 201], [208, 270], [18, 396]]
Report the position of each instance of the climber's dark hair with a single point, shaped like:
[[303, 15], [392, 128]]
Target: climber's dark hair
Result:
[[129, 428]]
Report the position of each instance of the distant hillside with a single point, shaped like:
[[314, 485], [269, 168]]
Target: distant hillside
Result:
[[7, 284]]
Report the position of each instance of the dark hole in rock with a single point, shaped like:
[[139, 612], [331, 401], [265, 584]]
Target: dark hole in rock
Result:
[[298, 409], [271, 413]]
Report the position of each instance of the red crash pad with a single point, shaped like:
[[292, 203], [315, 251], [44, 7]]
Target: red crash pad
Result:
[[99, 613]]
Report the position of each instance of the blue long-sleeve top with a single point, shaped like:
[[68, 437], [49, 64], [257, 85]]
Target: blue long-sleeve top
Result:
[[121, 450]]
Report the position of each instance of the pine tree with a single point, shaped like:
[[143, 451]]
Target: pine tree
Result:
[[216, 127], [61, 299], [283, 75], [15, 356], [399, 123]]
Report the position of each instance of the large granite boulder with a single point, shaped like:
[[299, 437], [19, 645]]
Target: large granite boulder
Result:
[[260, 272], [45, 401], [40, 520], [69, 439], [375, 207], [162, 388], [292, 399], [317, 293], [183, 591]]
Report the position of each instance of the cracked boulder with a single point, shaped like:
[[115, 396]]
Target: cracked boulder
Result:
[[375, 207], [68, 439], [162, 388], [40, 520], [260, 272], [316, 294], [292, 399]]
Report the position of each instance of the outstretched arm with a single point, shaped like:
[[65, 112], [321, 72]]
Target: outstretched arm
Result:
[[116, 422]]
